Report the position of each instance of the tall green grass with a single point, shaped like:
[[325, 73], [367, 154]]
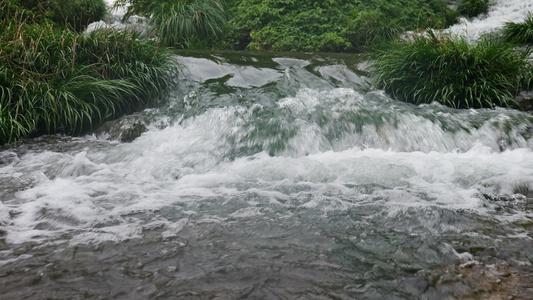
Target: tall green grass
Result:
[[55, 80], [519, 32], [451, 71], [182, 23], [472, 8], [77, 13]]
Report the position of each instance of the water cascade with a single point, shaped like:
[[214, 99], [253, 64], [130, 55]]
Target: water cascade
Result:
[[274, 177], [500, 12]]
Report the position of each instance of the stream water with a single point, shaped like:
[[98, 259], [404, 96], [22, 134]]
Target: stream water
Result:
[[274, 177], [499, 12]]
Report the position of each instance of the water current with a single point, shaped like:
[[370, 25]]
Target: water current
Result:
[[279, 176], [274, 177], [499, 12]]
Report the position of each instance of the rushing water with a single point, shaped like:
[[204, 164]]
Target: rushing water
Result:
[[275, 177], [500, 12]]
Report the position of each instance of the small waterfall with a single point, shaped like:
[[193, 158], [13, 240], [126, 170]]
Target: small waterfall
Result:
[[500, 12], [274, 176]]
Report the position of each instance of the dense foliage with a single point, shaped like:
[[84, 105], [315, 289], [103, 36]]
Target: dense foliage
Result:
[[288, 25], [52, 79], [451, 71], [343, 25], [75, 14], [519, 32]]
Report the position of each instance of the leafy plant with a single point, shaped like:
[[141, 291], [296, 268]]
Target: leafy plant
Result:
[[57, 80], [371, 28], [450, 71], [339, 26], [519, 32], [472, 8]]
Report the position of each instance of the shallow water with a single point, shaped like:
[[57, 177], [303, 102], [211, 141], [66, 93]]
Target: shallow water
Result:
[[275, 177]]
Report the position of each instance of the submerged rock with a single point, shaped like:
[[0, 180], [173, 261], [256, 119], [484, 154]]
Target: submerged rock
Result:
[[125, 129], [129, 134]]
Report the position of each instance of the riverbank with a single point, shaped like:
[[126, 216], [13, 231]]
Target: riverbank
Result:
[[54, 79]]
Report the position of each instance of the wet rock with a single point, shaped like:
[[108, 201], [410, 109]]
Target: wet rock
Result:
[[520, 200], [125, 129], [474, 279], [135, 131], [502, 144], [525, 100]]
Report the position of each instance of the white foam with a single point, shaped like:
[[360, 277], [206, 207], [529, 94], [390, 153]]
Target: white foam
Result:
[[500, 12], [110, 206], [121, 191], [4, 214]]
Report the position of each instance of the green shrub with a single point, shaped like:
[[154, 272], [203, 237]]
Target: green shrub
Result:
[[339, 26], [370, 28], [451, 71], [472, 8], [519, 32], [57, 80]]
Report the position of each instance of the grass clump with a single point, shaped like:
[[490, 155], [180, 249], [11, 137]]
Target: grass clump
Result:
[[472, 8], [184, 23], [519, 32], [56, 80], [452, 72]]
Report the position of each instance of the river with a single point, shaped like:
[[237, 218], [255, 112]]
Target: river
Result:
[[274, 177]]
